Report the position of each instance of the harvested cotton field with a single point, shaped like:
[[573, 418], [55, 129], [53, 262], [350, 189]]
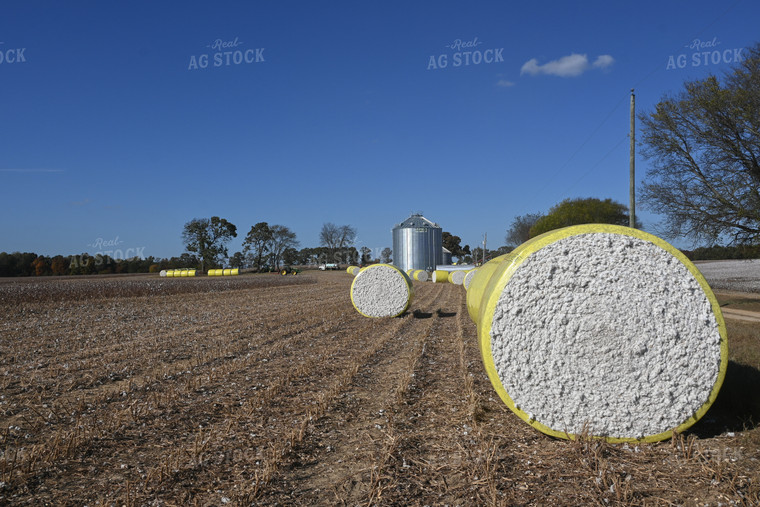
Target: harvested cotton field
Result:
[[265, 390], [737, 275]]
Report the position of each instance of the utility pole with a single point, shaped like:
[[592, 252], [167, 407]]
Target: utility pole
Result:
[[485, 237], [632, 165]]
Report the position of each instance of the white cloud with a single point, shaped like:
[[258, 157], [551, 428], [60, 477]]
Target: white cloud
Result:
[[603, 61], [504, 83], [568, 66]]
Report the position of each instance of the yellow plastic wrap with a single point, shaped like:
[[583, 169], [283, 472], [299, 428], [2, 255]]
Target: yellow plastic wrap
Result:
[[440, 276]]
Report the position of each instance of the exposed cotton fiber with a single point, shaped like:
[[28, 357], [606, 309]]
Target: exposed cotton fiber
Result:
[[607, 333], [457, 277], [468, 279], [381, 290]]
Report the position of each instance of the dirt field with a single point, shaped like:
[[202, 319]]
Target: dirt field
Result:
[[273, 390]]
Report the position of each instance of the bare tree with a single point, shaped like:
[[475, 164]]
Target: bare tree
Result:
[[282, 238], [519, 232], [336, 238], [329, 236], [705, 148]]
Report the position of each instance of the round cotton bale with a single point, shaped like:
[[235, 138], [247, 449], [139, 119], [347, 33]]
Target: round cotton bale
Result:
[[468, 279], [235, 271], [191, 272], [478, 285], [421, 275], [410, 272], [381, 290], [602, 329], [440, 276], [162, 272], [457, 277]]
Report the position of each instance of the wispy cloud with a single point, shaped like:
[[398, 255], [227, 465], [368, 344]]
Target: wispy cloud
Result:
[[603, 61], [31, 170], [504, 83], [571, 65], [83, 202]]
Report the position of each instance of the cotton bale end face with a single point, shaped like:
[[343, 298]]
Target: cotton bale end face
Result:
[[457, 277], [604, 329], [468, 279], [421, 275], [381, 290]]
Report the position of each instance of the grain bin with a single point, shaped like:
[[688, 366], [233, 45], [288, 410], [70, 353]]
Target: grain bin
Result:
[[417, 244], [446, 255]]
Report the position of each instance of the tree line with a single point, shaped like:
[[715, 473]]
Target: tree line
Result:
[[265, 248]]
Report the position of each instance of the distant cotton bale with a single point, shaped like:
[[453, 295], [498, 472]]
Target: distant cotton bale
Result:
[[457, 277], [604, 329], [352, 270], [440, 276], [162, 273], [381, 290], [421, 275], [468, 278]]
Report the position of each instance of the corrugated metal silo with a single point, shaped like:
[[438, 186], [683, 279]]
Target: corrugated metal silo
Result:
[[417, 244], [446, 257]]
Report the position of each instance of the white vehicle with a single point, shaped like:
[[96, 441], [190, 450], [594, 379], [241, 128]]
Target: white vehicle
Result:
[[329, 265]]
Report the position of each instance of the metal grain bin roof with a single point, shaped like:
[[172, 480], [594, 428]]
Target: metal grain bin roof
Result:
[[417, 220]]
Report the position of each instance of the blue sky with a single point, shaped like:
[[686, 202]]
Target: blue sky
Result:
[[111, 128]]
